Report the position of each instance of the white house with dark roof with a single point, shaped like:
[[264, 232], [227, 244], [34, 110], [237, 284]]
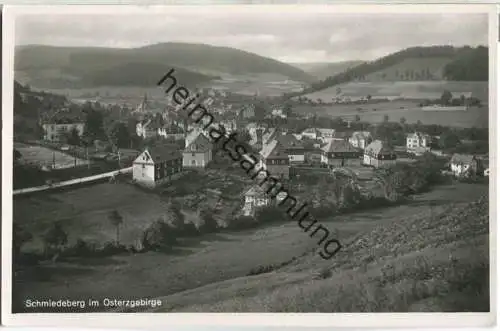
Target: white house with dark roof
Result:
[[157, 165], [255, 198], [464, 165], [379, 154], [198, 152], [418, 143]]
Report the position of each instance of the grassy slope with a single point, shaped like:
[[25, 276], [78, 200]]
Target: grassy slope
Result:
[[91, 64], [434, 262], [212, 259]]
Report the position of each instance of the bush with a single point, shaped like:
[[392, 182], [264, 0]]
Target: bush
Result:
[[159, 236], [242, 223], [270, 214], [209, 222]]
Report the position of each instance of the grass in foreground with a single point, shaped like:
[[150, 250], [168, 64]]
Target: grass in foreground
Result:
[[438, 263]]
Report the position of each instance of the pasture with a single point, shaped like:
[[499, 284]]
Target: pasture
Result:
[[202, 261], [403, 89], [84, 212], [45, 157], [395, 110]]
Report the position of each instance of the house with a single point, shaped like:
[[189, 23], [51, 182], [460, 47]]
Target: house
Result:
[[278, 112], [248, 111], [342, 135], [293, 147], [57, 131], [418, 143], [379, 154], [326, 133], [157, 165], [464, 165], [311, 133], [275, 160], [360, 139], [198, 152], [255, 198], [340, 153]]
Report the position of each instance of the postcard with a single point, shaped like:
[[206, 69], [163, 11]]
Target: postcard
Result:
[[328, 165]]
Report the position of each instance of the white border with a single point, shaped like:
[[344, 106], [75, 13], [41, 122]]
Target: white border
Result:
[[141, 320]]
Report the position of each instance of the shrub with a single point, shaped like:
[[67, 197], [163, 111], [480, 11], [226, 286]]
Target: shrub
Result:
[[270, 214], [158, 236], [209, 222], [242, 222]]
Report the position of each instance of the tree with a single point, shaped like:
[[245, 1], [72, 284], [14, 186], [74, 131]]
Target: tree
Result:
[[116, 220], [20, 236], [55, 238], [158, 236], [73, 137], [94, 124], [446, 97], [386, 118], [449, 140], [17, 156], [402, 120], [120, 135], [209, 222], [357, 118]]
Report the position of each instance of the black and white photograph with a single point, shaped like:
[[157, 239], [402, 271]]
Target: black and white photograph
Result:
[[213, 159]]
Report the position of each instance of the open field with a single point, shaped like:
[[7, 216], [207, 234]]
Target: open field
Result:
[[473, 117], [205, 260], [84, 212], [43, 156], [404, 89]]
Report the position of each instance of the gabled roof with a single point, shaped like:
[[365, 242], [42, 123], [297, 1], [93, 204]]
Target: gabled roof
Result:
[[163, 153], [289, 141], [462, 159], [361, 135], [201, 144], [339, 146], [268, 135], [417, 135], [192, 135], [273, 150], [378, 147]]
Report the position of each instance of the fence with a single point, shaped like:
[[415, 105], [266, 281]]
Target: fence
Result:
[[72, 182]]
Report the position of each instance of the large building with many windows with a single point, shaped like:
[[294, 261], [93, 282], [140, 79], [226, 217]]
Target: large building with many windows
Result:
[[57, 131]]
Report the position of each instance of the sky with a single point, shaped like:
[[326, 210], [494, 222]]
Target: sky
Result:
[[290, 37]]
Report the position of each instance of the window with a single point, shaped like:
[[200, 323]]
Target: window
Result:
[[193, 154], [143, 166], [193, 162]]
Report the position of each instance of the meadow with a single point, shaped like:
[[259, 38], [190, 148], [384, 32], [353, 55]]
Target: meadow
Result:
[[395, 110], [43, 156], [211, 268], [403, 89]]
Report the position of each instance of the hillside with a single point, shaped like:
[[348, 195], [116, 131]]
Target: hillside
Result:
[[415, 64], [432, 262], [323, 70], [79, 67]]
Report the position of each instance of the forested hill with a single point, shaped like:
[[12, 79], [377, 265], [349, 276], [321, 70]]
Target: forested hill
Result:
[[55, 67], [416, 64]]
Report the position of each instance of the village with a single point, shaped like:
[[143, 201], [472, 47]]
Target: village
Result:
[[174, 146]]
